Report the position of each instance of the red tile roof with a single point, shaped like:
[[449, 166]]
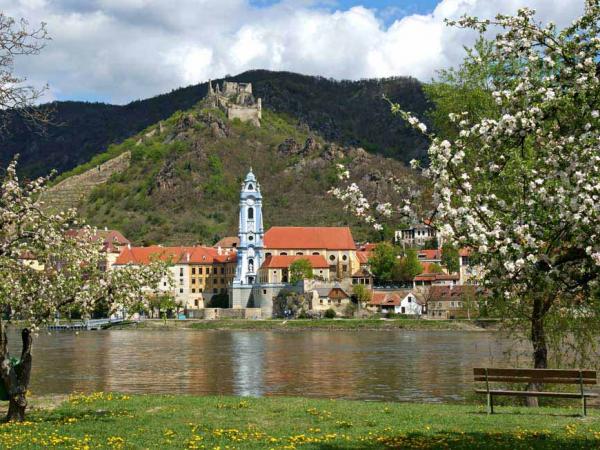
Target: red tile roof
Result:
[[430, 254], [228, 242], [445, 293], [284, 261], [181, 255], [437, 277], [363, 257], [112, 239], [385, 299], [330, 238]]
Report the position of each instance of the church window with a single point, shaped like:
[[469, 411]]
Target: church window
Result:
[[264, 291], [316, 253], [250, 265], [250, 213], [299, 253], [250, 187], [250, 238], [344, 257], [332, 258], [181, 291], [268, 254], [283, 253]]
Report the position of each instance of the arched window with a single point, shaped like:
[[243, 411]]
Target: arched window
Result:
[[250, 265], [250, 187], [250, 213]]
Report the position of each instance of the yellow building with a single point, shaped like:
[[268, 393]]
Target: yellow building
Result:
[[334, 244]]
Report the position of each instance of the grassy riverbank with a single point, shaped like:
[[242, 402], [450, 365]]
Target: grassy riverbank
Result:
[[318, 324], [164, 422]]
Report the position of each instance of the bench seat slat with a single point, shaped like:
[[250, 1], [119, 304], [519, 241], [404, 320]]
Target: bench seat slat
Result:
[[538, 373], [519, 379], [537, 394]]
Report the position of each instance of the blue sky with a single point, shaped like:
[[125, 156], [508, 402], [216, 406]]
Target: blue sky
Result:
[[121, 50]]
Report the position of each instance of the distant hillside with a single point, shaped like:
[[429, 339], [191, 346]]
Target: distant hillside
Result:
[[183, 178], [344, 112]]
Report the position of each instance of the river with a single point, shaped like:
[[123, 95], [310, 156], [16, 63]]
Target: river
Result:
[[431, 366]]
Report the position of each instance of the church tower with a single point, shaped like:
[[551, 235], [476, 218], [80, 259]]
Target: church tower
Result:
[[250, 252]]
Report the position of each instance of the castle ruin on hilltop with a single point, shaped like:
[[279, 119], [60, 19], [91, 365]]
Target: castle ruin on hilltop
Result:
[[236, 100]]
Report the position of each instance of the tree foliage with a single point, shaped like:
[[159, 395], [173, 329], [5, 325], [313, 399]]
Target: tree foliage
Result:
[[407, 267], [520, 182], [301, 269], [450, 258], [48, 272], [383, 260], [362, 293]]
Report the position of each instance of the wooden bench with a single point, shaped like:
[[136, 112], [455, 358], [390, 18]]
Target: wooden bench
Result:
[[580, 377]]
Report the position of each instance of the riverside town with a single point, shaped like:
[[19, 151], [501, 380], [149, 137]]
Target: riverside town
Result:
[[381, 232]]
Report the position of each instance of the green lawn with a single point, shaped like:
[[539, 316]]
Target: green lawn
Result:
[[334, 324], [163, 422]]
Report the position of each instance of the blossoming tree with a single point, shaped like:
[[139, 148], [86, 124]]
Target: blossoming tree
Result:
[[522, 187], [66, 276]]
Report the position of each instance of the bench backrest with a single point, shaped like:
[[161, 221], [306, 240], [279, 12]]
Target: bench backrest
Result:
[[560, 376]]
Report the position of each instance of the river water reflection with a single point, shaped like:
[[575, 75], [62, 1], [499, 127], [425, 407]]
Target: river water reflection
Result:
[[371, 365]]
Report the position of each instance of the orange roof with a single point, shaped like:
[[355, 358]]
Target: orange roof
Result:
[[385, 298], [465, 252], [363, 257], [441, 293], [284, 261], [181, 255], [368, 247], [228, 242], [330, 238], [430, 254], [112, 239], [436, 277]]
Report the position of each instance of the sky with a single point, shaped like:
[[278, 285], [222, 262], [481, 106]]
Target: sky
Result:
[[118, 51]]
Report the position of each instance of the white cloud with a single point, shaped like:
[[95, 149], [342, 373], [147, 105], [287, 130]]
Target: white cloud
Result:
[[121, 50]]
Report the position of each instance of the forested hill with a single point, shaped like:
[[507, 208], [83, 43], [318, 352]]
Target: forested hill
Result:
[[346, 112]]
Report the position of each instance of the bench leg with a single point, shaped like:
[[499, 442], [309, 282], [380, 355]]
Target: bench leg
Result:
[[490, 403]]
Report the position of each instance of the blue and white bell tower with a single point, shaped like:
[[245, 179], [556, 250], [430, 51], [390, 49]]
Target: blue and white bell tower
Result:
[[250, 251]]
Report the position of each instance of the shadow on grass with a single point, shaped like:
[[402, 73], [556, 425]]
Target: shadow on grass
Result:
[[473, 440], [531, 412], [92, 415]]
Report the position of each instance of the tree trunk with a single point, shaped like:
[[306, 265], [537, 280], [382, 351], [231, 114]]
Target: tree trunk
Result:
[[16, 379], [540, 347]]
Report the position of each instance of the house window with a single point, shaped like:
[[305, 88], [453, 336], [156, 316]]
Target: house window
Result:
[[193, 271], [193, 281], [181, 291], [164, 283], [332, 258], [196, 302], [250, 213], [264, 291], [354, 281], [200, 271], [181, 271], [267, 254], [222, 280], [193, 291], [214, 270], [283, 253], [409, 299], [321, 301], [316, 253], [222, 270]]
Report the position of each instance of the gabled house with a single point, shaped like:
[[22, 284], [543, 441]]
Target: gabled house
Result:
[[405, 301]]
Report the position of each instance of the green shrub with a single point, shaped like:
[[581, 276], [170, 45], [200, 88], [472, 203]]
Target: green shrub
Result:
[[330, 314]]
